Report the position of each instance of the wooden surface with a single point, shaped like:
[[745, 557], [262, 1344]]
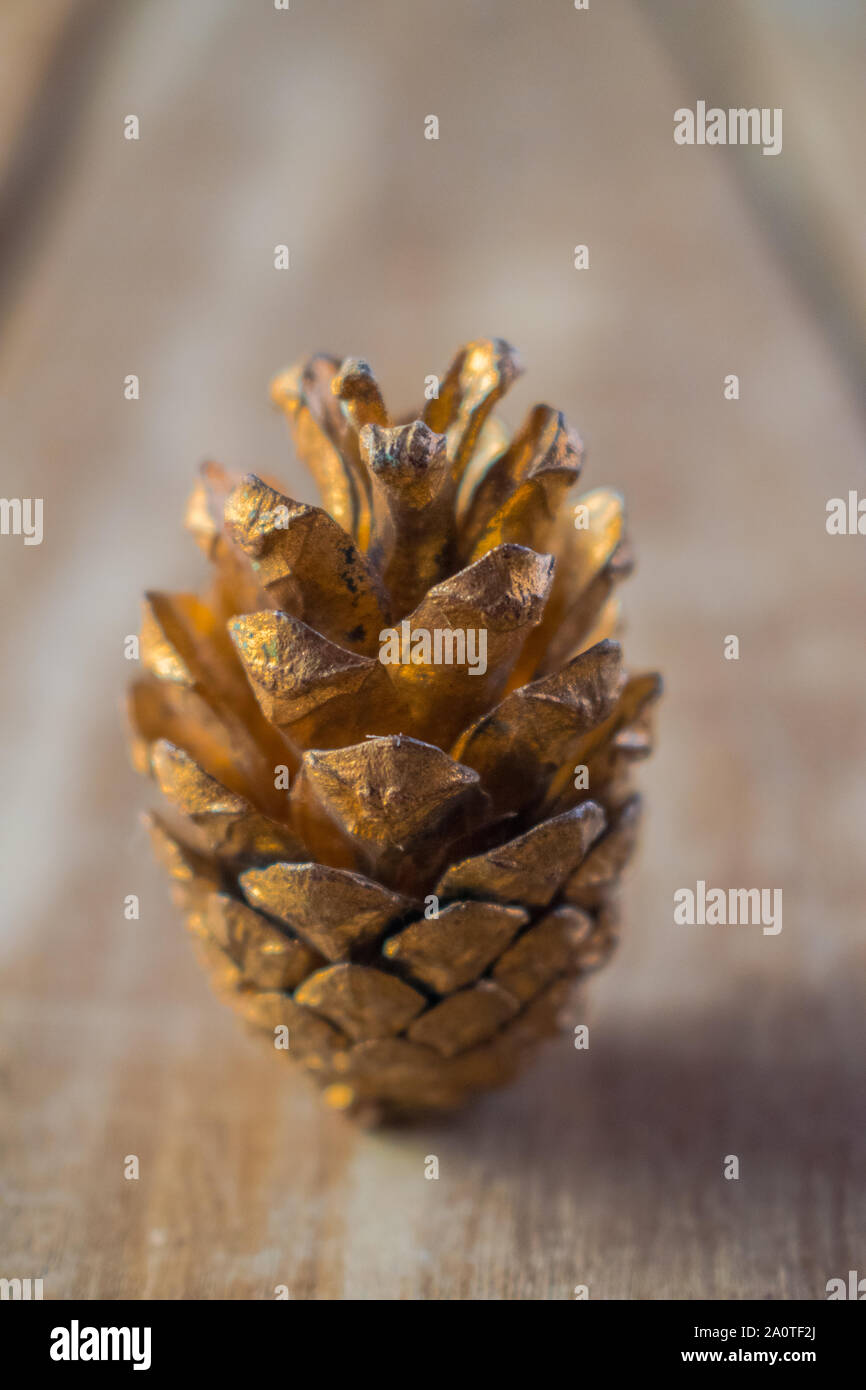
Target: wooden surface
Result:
[[603, 1167]]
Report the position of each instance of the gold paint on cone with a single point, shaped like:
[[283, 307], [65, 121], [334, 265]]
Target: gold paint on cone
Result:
[[395, 869]]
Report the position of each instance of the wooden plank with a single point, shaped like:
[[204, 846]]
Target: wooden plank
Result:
[[47, 56], [808, 62], [29, 37], [604, 1167]]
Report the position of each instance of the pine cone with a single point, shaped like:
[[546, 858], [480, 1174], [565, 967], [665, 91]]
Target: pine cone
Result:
[[392, 863]]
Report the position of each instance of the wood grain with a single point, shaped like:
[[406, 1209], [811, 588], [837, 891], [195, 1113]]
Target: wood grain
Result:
[[602, 1167], [29, 40]]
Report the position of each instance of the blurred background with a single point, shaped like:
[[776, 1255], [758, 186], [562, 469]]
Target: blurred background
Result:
[[155, 257]]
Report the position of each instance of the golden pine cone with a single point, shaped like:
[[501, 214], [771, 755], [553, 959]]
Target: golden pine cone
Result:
[[396, 868]]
